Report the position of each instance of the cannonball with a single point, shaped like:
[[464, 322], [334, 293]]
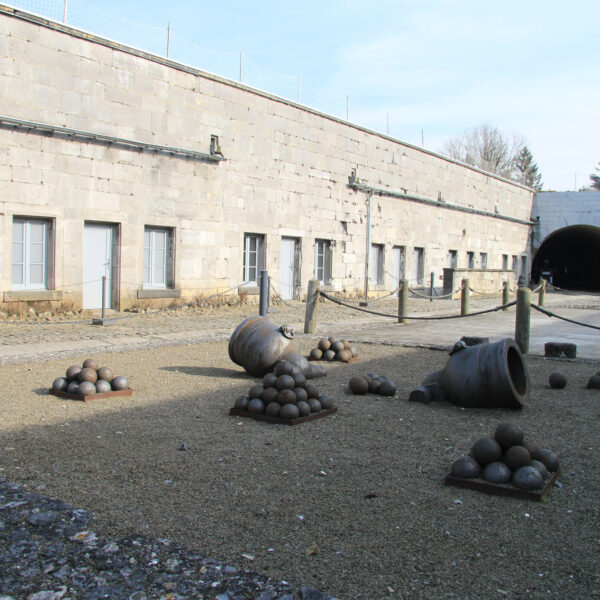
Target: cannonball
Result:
[[373, 385], [303, 408], [497, 472], [299, 380], [103, 386], [527, 478], [285, 382], [550, 459], [328, 355], [104, 373], [324, 344], [326, 402], [88, 374], [241, 403], [358, 385], [72, 373], [485, 450], [557, 380], [256, 391], [508, 434], [289, 411], [387, 388], [87, 388], [316, 354], [60, 384], [594, 382], [534, 449], [90, 363], [256, 406], [283, 367], [273, 409], [286, 396], [373, 375], [269, 380], [269, 395], [301, 395], [346, 344], [343, 355], [120, 382], [73, 387], [540, 466], [312, 390], [516, 457], [465, 467], [337, 346], [296, 370], [315, 405]]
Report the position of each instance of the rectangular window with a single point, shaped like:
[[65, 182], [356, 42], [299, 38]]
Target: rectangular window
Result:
[[419, 265], [323, 261], [30, 254], [515, 263], [254, 248], [505, 262], [483, 260], [376, 264], [470, 260], [452, 259], [524, 271], [158, 257]]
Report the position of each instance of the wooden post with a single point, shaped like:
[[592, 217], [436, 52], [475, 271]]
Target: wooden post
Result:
[[402, 300], [312, 304], [542, 293], [522, 320], [464, 297], [505, 293]]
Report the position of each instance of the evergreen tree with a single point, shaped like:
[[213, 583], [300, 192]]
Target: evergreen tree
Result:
[[526, 170], [595, 180]]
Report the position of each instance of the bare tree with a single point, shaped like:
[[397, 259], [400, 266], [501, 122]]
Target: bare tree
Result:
[[595, 179]]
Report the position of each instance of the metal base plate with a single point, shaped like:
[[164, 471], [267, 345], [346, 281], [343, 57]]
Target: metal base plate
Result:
[[278, 420], [126, 392]]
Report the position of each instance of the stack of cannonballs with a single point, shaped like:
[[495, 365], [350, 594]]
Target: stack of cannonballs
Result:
[[506, 458], [333, 349], [90, 379], [284, 393], [372, 383]]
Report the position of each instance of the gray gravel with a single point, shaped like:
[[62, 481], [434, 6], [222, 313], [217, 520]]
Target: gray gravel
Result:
[[353, 504]]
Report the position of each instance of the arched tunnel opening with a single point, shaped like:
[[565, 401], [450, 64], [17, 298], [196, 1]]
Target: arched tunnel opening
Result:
[[570, 258]]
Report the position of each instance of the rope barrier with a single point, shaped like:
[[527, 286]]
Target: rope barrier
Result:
[[551, 314], [484, 293], [435, 296], [570, 292]]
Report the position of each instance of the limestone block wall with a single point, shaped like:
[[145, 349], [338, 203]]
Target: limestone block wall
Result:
[[285, 174]]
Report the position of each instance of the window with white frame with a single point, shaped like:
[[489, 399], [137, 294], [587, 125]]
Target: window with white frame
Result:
[[30, 253], [515, 263], [376, 264], [505, 262], [254, 248], [158, 257], [470, 260], [323, 261], [483, 260], [418, 264], [452, 259]]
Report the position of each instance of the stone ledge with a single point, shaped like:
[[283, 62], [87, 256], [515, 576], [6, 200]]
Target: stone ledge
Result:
[[162, 293], [33, 296]]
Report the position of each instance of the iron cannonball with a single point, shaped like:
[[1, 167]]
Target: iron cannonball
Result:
[[72, 373], [497, 472], [269, 395], [299, 380], [286, 397], [312, 390], [358, 385], [527, 478], [387, 388], [315, 405], [316, 354], [103, 386], [516, 457], [346, 344], [594, 382], [105, 373], [324, 344], [256, 391], [90, 363], [283, 367], [329, 355], [88, 374], [373, 375], [87, 388], [269, 380], [540, 466], [273, 409], [373, 385], [289, 411], [465, 467], [508, 434], [256, 405], [486, 450], [343, 355], [326, 402], [303, 408], [120, 382], [534, 449], [241, 403], [73, 387], [332, 339], [60, 384], [296, 370], [285, 382], [337, 346], [550, 459], [557, 380], [301, 395]]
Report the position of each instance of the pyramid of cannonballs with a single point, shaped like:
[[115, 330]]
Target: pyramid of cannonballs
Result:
[[89, 379], [333, 349]]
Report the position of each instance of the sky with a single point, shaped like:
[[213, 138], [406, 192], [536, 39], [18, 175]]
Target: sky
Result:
[[421, 71]]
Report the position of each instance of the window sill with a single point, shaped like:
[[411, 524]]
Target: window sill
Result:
[[148, 294], [33, 296]]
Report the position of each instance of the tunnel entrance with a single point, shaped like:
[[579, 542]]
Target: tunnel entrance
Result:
[[569, 258]]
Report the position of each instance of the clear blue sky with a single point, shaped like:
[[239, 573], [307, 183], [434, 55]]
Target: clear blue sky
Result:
[[418, 69]]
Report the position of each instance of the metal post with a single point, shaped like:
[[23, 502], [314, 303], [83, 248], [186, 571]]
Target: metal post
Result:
[[368, 247], [168, 38], [431, 287], [65, 12], [402, 300], [505, 292], [464, 297], [264, 294], [542, 293], [522, 323], [103, 297], [312, 304]]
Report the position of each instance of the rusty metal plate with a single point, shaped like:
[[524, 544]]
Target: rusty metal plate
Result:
[[237, 412], [126, 392], [499, 489]]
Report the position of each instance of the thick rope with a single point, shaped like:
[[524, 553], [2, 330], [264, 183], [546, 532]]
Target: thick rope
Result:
[[551, 314], [435, 296], [485, 293], [571, 292]]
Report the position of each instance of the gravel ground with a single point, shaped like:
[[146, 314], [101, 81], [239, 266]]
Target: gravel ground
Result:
[[353, 504]]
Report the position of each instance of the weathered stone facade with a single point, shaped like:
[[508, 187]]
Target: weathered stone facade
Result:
[[285, 174]]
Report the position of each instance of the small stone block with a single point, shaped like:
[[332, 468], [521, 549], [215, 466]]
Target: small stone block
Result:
[[560, 350]]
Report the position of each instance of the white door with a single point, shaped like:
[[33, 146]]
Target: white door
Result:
[[288, 251], [97, 263]]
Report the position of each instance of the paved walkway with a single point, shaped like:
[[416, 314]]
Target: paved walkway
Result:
[[50, 338]]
